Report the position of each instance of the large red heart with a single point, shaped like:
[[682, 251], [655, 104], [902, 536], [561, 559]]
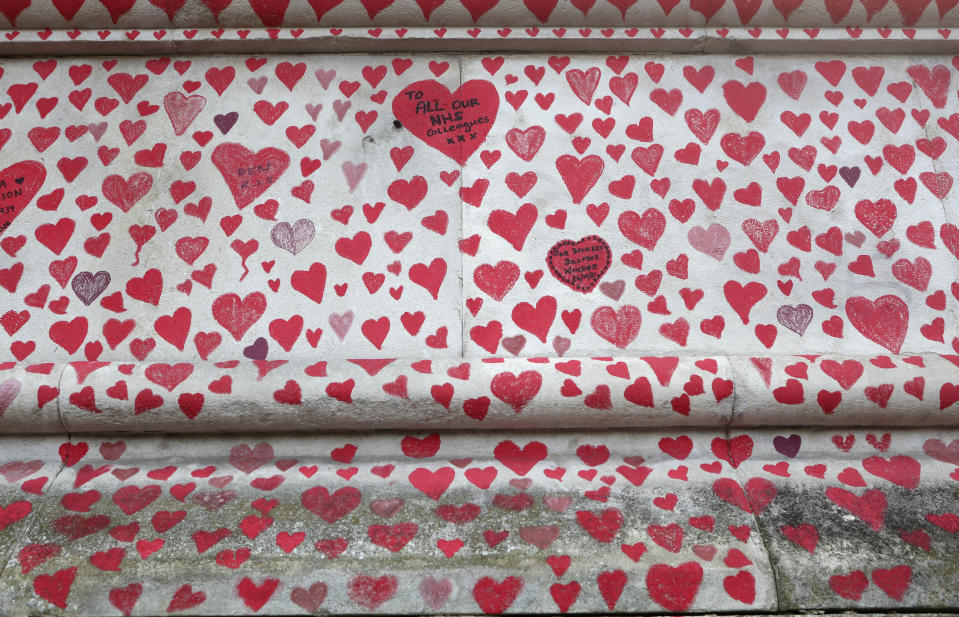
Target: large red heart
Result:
[[270, 12], [579, 175], [125, 193], [54, 588], [604, 526], [372, 592], [672, 588], [12, 9], [580, 265], [516, 390], [331, 507], [884, 321], [618, 327], [869, 508], [432, 483], [520, 460], [249, 174], [455, 123], [494, 598], [238, 315], [758, 493], [18, 184], [14, 512]]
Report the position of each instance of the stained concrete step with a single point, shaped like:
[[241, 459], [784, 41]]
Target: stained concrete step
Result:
[[464, 523]]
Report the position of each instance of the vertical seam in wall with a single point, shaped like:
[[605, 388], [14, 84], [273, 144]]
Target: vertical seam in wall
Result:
[[462, 256], [63, 424], [736, 379], [925, 105]]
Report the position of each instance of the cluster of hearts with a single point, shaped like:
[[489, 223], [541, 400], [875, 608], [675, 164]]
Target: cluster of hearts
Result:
[[275, 13], [688, 302], [663, 391], [812, 245], [624, 521], [396, 310]]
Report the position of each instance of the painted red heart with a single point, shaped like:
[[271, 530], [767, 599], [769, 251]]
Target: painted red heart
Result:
[[495, 597], [247, 174], [674, 588], [371, 592], [516, 390], [455, 123], [237, 315], [331, 507], [18, 184], [883, 321]]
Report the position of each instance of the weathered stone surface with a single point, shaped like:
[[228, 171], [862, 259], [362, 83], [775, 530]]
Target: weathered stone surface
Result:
[[441, 512], [894, 511]]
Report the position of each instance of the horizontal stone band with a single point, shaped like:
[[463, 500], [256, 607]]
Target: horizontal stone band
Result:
[[291, 13], [497, 393], [311, 39]]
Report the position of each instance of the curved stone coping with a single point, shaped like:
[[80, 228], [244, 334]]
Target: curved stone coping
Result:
[[494, 393], [438, 13], [138, 40]]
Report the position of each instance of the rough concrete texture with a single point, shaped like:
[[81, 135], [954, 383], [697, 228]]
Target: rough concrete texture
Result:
[[468, 523]]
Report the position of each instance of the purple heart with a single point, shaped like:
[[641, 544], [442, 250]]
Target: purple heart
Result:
[[256, 351], [514, 344], [89, 286], [613, 289], [293, 238], [850, 175], [796, 318], [225, 122], [787, 446]]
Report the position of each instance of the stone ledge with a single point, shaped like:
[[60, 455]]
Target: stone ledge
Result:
[[468, 13], [686, 40], [488, 394]]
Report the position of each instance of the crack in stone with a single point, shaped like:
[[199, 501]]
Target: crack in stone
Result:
[[761, 531], [34, 515]]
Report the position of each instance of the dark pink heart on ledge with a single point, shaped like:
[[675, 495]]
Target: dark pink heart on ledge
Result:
[[256, 351]]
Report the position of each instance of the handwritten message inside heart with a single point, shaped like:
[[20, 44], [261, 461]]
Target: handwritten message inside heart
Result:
[[18, 184], [455, 123], [580, 265], [249, 174]]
